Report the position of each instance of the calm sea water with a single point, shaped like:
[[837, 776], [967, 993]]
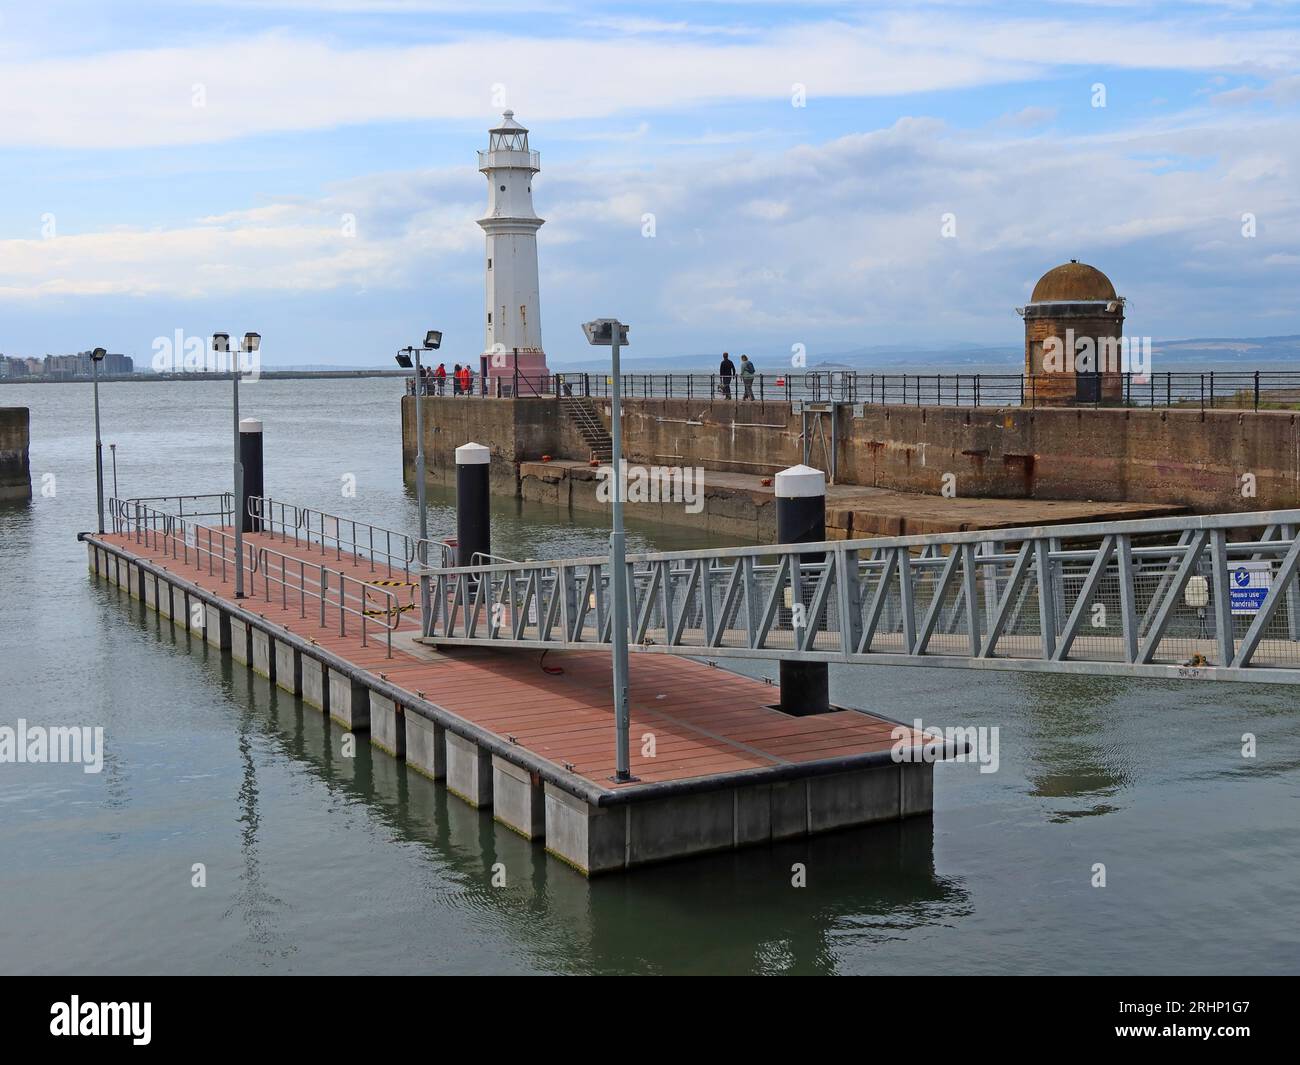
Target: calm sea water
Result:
[[320, 863]]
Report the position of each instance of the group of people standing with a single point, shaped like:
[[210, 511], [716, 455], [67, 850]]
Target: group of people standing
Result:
[[727, 372], [435, 380]]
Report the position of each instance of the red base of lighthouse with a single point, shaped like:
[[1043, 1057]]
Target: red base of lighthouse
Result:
[[525, 374]]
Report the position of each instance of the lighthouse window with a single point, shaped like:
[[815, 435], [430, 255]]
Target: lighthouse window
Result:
[[489, 317], [503, 188], [489, 264]]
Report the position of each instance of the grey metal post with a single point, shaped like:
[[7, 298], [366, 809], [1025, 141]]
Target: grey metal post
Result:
[[99, 448], [419, 491], [239, 489], [618, 578]]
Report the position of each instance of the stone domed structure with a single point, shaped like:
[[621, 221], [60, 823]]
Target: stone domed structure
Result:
[[1073, 281], [1074, 329]]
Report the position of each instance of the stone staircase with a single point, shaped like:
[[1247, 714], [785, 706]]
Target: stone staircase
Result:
[[585, 417]]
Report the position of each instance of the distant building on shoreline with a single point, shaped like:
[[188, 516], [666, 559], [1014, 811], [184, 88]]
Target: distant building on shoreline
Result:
[[64, 367]]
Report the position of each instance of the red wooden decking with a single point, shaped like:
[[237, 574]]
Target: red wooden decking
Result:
[[703, 720]]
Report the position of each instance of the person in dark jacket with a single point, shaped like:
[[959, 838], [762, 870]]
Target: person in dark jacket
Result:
[[726, 371], [455, 380]]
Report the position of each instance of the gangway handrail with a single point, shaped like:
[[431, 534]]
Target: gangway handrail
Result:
[[442, 548], [225, 505], [177, 537], [362, 592], [1210, 595], [1085, 530], [397, 553]]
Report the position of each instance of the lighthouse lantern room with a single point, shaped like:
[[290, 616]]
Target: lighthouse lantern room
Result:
[[513, 350]]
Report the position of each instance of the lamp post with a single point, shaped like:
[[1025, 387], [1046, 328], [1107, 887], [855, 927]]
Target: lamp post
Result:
[[221, 343], [113, 449], [432, 341], [96, 357], [611, 333]]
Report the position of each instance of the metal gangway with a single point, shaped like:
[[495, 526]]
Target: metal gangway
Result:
[[1198, 597]]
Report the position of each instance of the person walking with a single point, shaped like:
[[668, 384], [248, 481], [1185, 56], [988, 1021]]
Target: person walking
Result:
[[747, 376], [440, 377], [726, 371], [466, 380], [455, 380]]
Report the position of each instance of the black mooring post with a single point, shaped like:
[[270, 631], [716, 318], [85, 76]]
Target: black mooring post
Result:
[[473, 504], [250, 455], [801, 519]]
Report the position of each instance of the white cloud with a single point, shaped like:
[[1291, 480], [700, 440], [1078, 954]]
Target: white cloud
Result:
[[344, 240], [281, 81], [837, 239], [1027, 117]]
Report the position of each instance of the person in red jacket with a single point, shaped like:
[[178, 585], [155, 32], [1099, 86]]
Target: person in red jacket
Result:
[[466, 380], [440, 377]]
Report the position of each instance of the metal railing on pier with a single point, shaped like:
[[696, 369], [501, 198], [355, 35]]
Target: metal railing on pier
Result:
[[1192, 390], [212, 550], [386, 548], [1213, 597], [210, 505]]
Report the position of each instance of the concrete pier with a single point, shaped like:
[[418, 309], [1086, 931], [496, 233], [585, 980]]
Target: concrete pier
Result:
[[536, 748], [180, 609], [469, 771], [288, 667], [163, 590], [241, 644], [518, 798], [1014, 466], [600, 839], [15, 466], [315, 682], [426, 746], [387, 729], [349, 701], [263, 653]]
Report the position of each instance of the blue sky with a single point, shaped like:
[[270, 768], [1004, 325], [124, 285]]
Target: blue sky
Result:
[[192, 166]]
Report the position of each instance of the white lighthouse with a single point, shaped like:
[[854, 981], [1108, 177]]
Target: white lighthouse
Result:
[[514, 322]]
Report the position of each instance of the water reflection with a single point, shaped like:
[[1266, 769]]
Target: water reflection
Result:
[[1071, 750], [258, 907]]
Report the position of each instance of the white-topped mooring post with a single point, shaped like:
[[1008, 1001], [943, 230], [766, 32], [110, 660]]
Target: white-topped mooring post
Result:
[[250, 459], [801, 519], [473, 504]]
